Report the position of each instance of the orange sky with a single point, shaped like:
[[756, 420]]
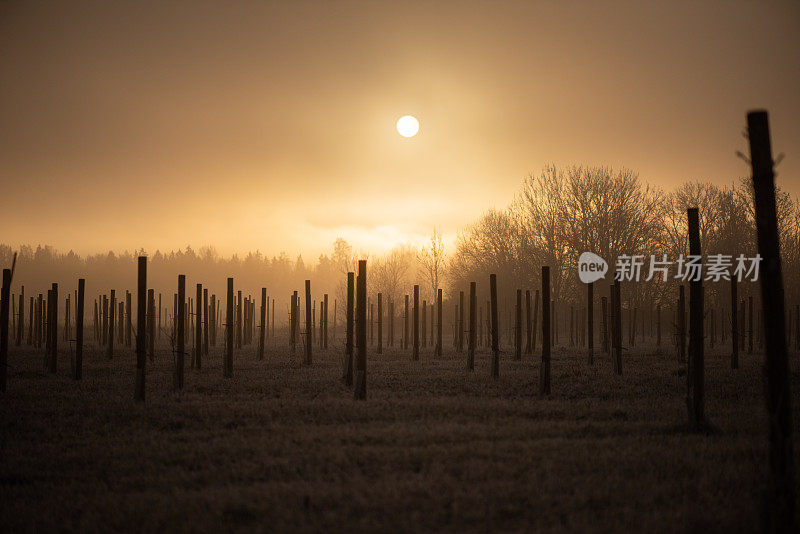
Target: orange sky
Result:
[[271, 125]]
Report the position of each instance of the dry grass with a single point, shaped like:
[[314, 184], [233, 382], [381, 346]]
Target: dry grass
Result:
[[282, 447]]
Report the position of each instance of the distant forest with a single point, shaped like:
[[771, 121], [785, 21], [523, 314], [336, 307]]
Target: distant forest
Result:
[[554, 217]]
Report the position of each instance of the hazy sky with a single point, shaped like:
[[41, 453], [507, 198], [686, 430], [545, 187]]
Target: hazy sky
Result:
[[271, 126]]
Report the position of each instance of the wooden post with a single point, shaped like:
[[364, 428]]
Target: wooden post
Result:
[[495, 327], [198, 326], [348, 360], [360, 392], [544, 369], [309, 325], [535, 320], [239, 319], [227, 367], [4, 313], [473, 303], [151, 323], [618, 328], [590, 319], [405, 325], [423, 323], [460, 333], [77, 367], [128, 325], [415, 326], [438, 351], [52, 331], [681, 324], [263, 323], [325, 319], [380, 323], [158, 327], [205, 320], [518, 327], [734, 325], [696, 384], [21, 316], [292, 320], [141, 294], [180, 322], [780, 501], [528, 333], [750, 325], [604, 306], [104, 325]]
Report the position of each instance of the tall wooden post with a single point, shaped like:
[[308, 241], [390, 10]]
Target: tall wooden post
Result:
[[528, 333], [180, 322], [518, 327], [141, 294], [405, 325], [423, 322], [198, 326], [348, 360], [360, 392], [544, 369], [77, 368], [438, 351], [696, 379], [535, 320], [151, 324], [325, 319], [5, 296], [292, 321], [495, 327], [239, 319], [380, 324], [681, 324], [780, 502], [309, 325], [415, 326], [21, 316], [128, 325], [590, 319], [205, 320], [734, 325], [473, 303], [263, 323], [112, 304], [227, 366]]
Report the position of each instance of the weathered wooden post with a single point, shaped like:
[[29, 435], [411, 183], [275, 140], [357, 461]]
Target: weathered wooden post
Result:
[[590, 319], [495, 327], [30, 321], [263, 323], [438, 351], [213, 305], [180, 322], [423, 322], [5, 294], [415, 326], [750, 325], [205, 321], [696, 386], [473, 303], [528, 348], [460, 333], [325, 318], [348, 360], [112, 304], [77, 368], [128, 325], [734, 325], [780, 502], [158, 328], [198, 326], [518, 327], [104, 325], [151, 323], [618, 328], [360, 392], [380, 323], [239, 319], [309, 325], [141, 294], [292, 320], [227, 366], [544, 369], [405, 324], [120, 321], [681, 324]]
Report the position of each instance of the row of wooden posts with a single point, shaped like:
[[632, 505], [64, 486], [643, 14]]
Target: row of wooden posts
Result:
[[780, 504]]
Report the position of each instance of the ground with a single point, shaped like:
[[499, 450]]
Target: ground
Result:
[[284, 447]]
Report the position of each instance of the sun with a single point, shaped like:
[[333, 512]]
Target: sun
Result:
[[407, 126]]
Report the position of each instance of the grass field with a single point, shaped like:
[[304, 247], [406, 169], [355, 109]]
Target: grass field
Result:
[[281, 447]]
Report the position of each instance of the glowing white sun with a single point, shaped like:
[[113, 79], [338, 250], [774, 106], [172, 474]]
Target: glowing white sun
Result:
[[407, 126]]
